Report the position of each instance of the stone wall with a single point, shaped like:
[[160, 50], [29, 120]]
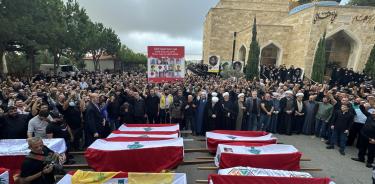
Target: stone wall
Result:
[[362, 33], [270, 5], [221, 23], [296, 35], [267, 34]]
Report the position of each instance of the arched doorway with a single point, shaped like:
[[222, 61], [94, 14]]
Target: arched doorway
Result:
[[341, 51], [270, 55], [242, 54]]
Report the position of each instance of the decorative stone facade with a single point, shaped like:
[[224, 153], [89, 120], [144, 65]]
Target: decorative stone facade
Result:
[[295, 34]]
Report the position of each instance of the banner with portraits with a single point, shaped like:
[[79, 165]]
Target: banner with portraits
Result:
[[214, 64], [165, 63]]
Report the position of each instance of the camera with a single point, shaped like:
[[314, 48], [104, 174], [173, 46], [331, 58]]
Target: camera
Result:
[[57, 167]]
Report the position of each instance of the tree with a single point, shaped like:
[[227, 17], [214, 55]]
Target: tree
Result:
[[57, 30], [102, 40], [370, 65], [252, 67], [319, 61], [77, 38], [129, 58], [362, 2]]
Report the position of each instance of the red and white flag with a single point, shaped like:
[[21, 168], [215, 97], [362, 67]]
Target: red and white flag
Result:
[[83, 177], [135, 154], [271, 156], [154, 134], [229, 136], [150, 127], [13, 151], [245, 175]]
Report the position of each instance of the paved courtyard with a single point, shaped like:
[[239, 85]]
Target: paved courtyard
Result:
[[341, 168]]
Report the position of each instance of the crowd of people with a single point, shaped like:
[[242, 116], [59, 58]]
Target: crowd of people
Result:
[[89, 106]]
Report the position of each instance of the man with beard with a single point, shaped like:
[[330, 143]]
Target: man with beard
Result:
[[38, 124], [202, 102], [189, 112], [229, 113], [253, 111], [59, 129], [213, 114], [287, 108], [152, 107], [266, 113], [139, 109], [13, 125], [299, 113]]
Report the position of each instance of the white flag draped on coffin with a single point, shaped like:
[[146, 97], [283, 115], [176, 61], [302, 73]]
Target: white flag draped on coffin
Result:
[[13, 151], [123, 178], [20, 146], [154, 134], [150, 127], [217, 137], [270, 156], [129, 154], [245, 175]]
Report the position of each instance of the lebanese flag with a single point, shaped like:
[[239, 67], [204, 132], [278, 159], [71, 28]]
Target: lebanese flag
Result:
[[239, 175], [135, 154], [216, 137], [150, 127], [123, 178], [271, 156], [155, 134], [13, 151]]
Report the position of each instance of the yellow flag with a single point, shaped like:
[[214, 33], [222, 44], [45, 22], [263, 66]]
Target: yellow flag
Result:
[[150, 178], [90, 177]]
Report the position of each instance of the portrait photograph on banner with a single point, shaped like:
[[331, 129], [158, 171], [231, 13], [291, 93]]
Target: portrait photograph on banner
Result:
[[213, 64], [165, 63]]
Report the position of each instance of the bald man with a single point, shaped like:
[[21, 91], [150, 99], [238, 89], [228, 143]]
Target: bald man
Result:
[[94, 122]]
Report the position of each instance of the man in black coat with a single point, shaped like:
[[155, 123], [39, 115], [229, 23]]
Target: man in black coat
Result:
[[94, 122], [139, 109], [152, 107], [366, 140], [13, 125], [341, 122], [287, 108], [229, 113]]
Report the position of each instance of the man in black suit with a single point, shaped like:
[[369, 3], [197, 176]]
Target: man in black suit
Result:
[[94, 122], [287, 108]]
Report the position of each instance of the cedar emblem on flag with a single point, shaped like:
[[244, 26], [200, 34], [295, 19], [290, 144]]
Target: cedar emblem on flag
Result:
[[147, 129], [136, 145], [232, 137], [254, 151]]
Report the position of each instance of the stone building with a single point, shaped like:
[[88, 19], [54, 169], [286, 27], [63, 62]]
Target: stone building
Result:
[[290, 35]]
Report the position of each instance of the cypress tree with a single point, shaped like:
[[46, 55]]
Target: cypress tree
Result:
[[252, 68], [370, 65], [319, 61]]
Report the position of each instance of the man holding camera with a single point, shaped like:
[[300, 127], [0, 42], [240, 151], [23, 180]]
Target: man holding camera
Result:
[[38, 166]]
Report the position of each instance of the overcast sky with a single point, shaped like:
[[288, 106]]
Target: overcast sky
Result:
[[140, 23]]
